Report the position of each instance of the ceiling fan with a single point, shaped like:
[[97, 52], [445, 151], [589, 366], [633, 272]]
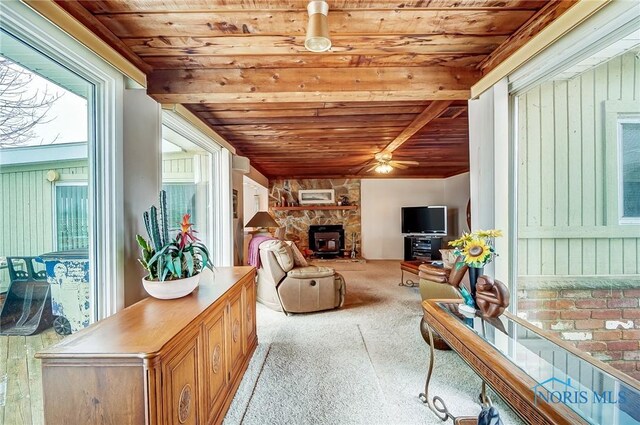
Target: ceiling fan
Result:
[[385, 164]]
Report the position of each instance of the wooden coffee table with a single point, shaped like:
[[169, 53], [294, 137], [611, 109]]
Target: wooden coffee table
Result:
[[413, 268]]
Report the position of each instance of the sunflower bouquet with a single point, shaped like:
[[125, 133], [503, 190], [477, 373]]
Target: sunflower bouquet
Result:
[[476, 248]]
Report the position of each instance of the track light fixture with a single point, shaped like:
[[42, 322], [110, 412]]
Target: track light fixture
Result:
[[317, 39]]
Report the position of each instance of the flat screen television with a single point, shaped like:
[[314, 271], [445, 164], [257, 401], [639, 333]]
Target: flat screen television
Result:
[[431, 220]]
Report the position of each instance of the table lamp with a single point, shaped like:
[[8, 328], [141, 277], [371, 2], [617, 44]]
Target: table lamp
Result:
[[261, 221]]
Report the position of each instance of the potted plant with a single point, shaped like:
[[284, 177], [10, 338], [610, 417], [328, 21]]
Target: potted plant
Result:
[[173, 265]]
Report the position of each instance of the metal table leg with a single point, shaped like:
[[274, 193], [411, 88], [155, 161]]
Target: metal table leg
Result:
[[408, 283], [437, 404]]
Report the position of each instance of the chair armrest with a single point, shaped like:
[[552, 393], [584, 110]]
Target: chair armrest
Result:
[[433, 273], [310, 272]]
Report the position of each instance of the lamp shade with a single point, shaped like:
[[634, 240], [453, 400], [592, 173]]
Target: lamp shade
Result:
[[317, 39], [262, 219]]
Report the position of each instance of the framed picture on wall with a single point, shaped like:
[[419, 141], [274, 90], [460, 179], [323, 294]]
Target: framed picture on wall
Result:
[[316, 196], [235, 203]]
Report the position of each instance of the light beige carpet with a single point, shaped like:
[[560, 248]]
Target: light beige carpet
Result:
[[363, 364]]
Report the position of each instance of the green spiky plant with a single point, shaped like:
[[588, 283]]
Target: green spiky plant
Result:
[[170, 259]]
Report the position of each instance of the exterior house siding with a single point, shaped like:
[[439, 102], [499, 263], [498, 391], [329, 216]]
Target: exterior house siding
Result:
[[564, 232]]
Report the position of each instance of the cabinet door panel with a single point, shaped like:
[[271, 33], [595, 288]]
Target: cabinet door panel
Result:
[[215, 366], [250, 312], [236, 324], [181, 373]]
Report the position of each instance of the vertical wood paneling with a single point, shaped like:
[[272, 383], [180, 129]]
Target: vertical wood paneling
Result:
[[547, 156], [589, 255], [522, 162], [534, 265], [561, 256], [533, 157], [575, 153], [614, 79], [600, 90], [587, 105], [561, 172], [602, 256], [630, 259], [616, 256], [575, 256], [627, 65], [561, 150]]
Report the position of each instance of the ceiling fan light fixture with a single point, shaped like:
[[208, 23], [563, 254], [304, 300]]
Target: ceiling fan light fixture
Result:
[[383, 168], [317, 39]]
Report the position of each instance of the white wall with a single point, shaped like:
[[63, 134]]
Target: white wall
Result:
[[456, 197], [251, 190], [381, 200], [142, 180], [490, 158]]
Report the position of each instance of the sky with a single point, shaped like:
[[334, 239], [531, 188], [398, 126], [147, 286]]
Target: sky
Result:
[[67, 118]]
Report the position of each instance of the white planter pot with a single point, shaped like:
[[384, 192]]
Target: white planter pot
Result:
[[171, 289]]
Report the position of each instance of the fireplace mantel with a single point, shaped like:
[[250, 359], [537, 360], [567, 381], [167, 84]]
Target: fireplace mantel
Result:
[[316, 207]]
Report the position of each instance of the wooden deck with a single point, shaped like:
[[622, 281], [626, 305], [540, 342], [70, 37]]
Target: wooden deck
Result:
[[21, 376]]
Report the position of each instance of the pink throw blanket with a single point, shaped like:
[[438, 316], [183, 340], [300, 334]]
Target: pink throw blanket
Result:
[[254, 250]]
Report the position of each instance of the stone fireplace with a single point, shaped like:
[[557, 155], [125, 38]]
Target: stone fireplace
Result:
[[298, 220], [326, 240]]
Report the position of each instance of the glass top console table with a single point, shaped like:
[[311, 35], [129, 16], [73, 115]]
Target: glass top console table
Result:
[[544, 379]]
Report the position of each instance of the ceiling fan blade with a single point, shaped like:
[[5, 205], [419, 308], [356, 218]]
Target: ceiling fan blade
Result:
[[407, 162], [373, 167], [396, 165]]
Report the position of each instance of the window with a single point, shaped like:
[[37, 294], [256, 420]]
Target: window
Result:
[[44, 144], [72, 216], [76, 137], [186, 177], [577, 138], [629, 166]]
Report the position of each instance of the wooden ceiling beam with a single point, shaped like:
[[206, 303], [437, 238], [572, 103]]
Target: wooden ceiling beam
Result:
[[319, 112], [313, 85], [431, 93], [142, 6], [242, 128], [338, 120], [294, 22], [288, 45], [533, 26], [305, 60], [210, 107], [430, 113]]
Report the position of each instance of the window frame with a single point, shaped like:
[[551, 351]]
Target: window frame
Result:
[[632, 118], [106, 217], [615, 110]]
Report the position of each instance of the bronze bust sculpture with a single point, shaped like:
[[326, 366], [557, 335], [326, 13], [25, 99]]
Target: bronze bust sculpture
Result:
[[492, 297]]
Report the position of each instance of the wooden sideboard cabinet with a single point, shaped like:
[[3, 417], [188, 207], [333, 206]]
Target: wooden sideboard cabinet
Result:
[[159, 362]]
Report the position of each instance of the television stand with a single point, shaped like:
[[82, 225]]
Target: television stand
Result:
[[422, 247]]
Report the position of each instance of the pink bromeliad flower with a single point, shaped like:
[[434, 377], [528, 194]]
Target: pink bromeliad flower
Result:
[[186, 234]]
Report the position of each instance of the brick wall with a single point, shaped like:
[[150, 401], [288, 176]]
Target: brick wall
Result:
[[603, 323]]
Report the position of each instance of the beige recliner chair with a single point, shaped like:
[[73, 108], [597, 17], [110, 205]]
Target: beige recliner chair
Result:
[[439, 283], [283, 286]]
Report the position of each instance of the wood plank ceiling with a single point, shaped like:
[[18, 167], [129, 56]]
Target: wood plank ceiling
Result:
[[241, 66]]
